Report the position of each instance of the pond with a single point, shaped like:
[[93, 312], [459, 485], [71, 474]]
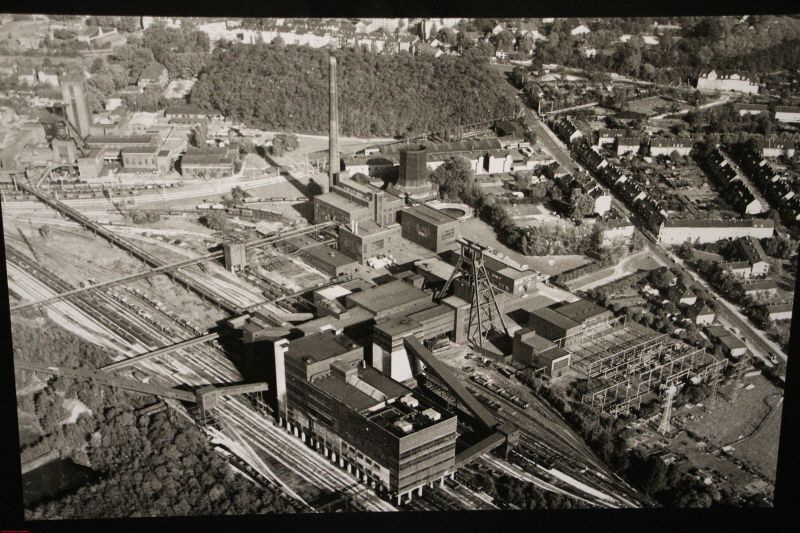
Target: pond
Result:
[[54, 479]]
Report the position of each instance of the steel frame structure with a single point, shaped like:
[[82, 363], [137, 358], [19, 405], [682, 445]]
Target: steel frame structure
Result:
[[484, 312]]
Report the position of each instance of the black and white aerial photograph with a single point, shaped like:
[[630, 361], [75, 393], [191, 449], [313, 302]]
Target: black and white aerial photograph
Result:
[[282, 265]]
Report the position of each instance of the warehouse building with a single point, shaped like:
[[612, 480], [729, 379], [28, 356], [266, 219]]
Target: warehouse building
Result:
[[429, 228], [208, 162], [568, 323], [532, 350], [332, 262]]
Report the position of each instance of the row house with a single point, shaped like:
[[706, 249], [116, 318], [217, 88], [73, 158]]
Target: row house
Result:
[[777, 189], [736, 190], [667, 145], [775, 147], [567, 130]]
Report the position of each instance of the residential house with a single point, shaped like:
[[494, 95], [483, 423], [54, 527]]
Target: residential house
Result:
[[667, 145], [608, 136], [154, 75], [705, 317], [782, 311], [750, 109], [735, 82], [628, 145], [787, 114], [761, 287], [567, 130], [774, 147], [754, 253]]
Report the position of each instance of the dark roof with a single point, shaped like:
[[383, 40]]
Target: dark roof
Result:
[[549, 315], [328, 255], [153, 71], [429, 214], [204, 159], [319, 347], [752, 249], [667, 142], [778, 308], [537, 342], [579, 311], [751, 107], [705, 223], [388, 295], [389, 387], [345, 393], [759, 285], [140, 150], [187, 109], [787, 109], [449, 147], [119, 139]]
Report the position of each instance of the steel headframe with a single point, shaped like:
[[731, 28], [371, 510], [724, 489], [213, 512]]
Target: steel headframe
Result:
[[484, 312]]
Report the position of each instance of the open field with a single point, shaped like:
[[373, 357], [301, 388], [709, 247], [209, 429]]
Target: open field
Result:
[[731, 421], [628, 265], [654, 105], [478, 230]]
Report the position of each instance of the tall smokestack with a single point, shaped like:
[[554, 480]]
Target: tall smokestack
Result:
[[279, 349], [333, 135]]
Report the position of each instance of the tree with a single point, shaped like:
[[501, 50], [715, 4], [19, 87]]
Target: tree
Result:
[[283, 143], [97, 65]]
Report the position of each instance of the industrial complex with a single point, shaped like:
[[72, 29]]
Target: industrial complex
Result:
[[346, 334]]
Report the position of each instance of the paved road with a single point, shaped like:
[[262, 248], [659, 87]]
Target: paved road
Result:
[[756, 340]]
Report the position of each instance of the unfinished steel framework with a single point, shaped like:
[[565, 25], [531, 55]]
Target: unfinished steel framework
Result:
[[484, 313], [628, 365], [639, 378]]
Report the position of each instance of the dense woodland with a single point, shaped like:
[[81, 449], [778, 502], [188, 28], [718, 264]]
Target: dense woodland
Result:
[[756, 44], [285, 88], [147, 466]]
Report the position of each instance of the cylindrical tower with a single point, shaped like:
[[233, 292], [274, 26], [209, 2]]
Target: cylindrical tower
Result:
[[333, 135], [413, 166]]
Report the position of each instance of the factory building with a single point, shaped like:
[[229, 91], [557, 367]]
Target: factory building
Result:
[[486, 156], [355, 415], [568, 323], [429, 227], [532, 350], [208, 162], [350, 200], [364, 240], [704, 231], [145, 158], [91, 165], [332, 262]]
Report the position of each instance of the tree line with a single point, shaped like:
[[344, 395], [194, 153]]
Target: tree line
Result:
[[285, 88], [147, 466]]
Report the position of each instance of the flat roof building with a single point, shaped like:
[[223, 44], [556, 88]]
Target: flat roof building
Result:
[[429, 227], [361, 418]]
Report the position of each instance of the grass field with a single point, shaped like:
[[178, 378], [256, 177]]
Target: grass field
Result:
[[728, 422], [653, 105]]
